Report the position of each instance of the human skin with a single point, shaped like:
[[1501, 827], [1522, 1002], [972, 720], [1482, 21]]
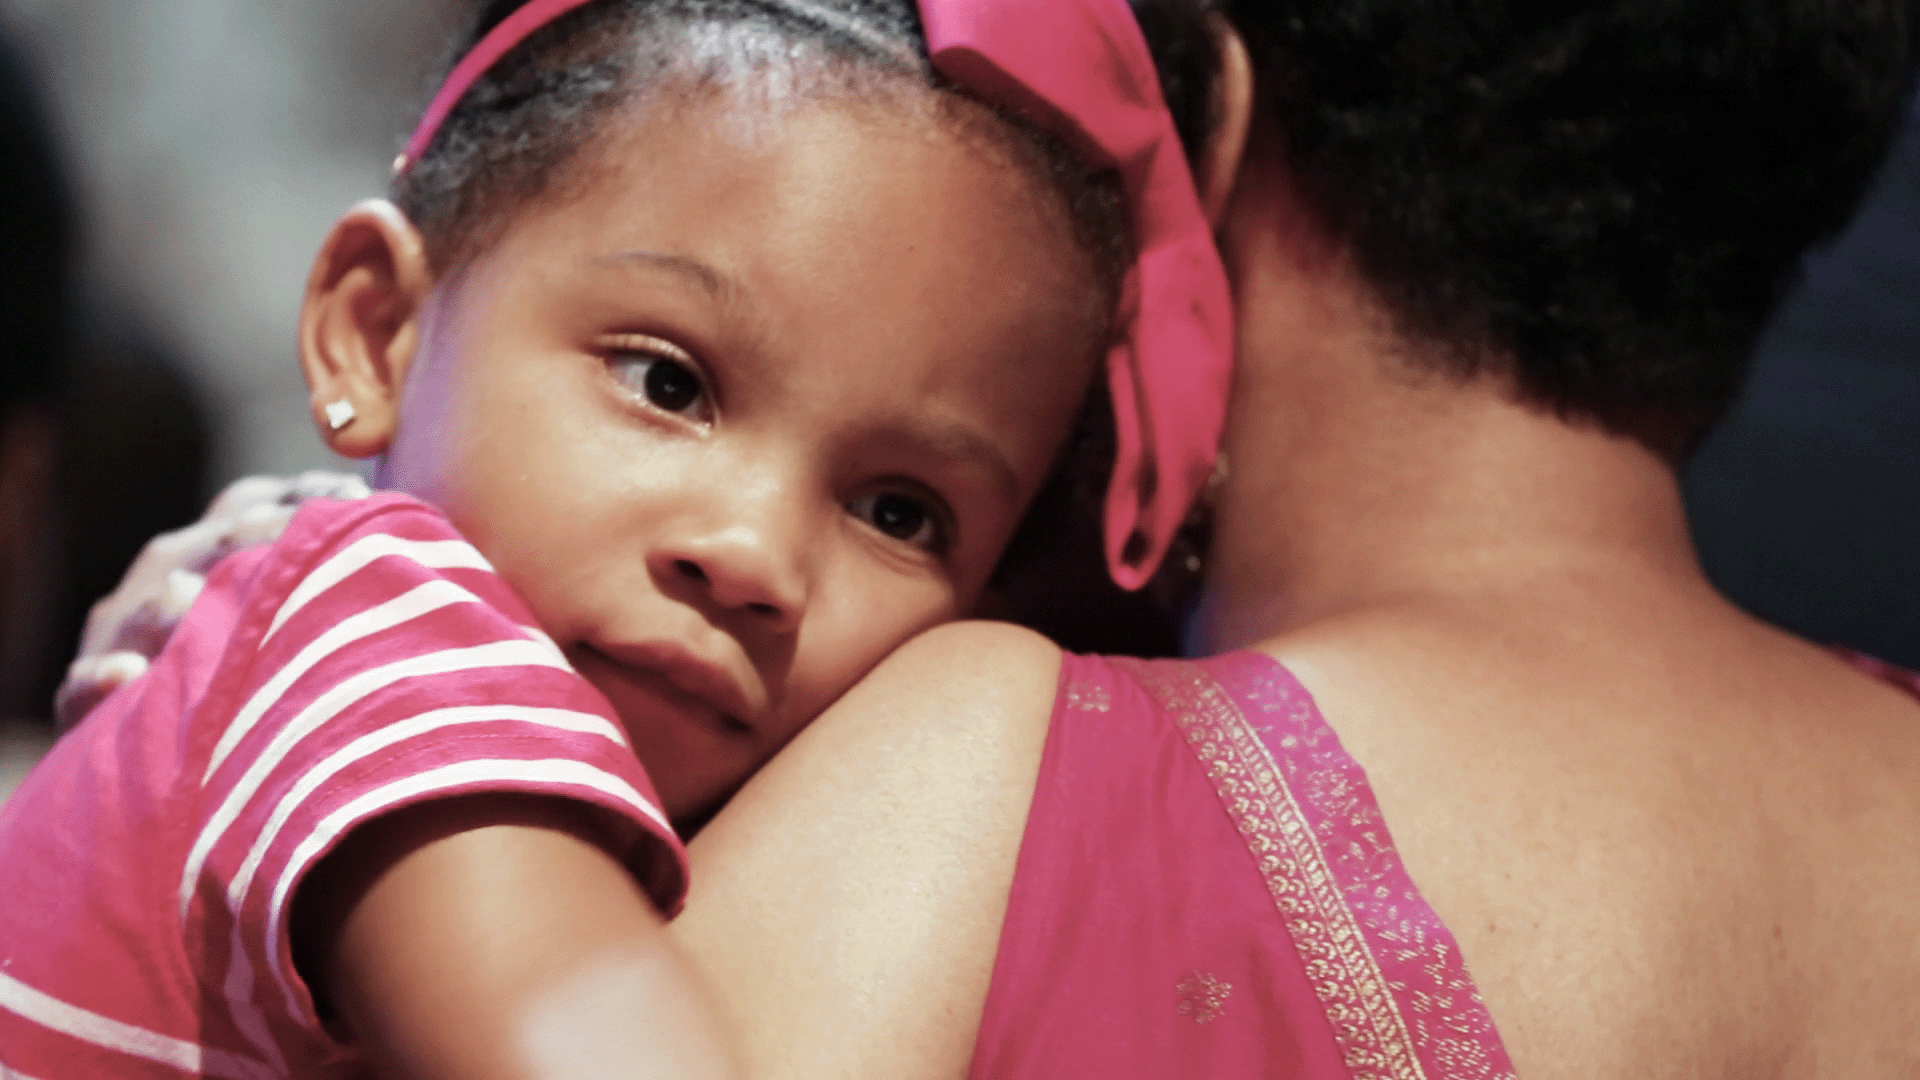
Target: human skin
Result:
[[1670, 840], [878, 333], [719, 568]]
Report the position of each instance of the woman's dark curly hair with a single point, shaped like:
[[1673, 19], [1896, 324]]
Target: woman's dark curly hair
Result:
[[1602, 201]]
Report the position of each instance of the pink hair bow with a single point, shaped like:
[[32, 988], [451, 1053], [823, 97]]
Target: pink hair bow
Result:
[[1080, 69]]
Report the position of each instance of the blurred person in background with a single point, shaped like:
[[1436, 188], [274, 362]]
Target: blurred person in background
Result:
[[103, 439], [35, 274]]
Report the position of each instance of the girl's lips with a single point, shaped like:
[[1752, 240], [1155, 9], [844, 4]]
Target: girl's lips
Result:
[[672, 671]]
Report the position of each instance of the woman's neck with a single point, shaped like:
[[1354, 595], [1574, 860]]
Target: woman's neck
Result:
[[1357, 481]]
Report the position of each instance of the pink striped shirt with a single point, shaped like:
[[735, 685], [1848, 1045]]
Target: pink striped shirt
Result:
[[369, 660]]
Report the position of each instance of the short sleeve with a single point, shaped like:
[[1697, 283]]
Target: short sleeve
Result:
[[381, 663]]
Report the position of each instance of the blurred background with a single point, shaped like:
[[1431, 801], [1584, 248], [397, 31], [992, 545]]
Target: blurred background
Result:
[[172, 165]]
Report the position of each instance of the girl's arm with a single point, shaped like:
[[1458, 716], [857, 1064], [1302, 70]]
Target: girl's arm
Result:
[[846, 906], [489, 937]]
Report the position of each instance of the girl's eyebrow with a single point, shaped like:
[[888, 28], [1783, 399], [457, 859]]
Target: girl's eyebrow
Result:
[[957, 442], [712, 282]]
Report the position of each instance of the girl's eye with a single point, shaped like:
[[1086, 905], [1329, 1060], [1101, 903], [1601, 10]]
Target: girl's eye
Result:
[[903, 517], [663, 381]]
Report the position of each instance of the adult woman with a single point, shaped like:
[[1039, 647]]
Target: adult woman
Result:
[[1496, 269]]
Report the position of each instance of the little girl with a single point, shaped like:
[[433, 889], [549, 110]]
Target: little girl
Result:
[[718, 348]]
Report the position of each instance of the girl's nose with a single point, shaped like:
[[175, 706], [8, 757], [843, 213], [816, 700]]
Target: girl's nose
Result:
[[741, 569]]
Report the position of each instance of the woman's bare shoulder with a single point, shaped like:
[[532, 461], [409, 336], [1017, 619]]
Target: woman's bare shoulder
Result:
[[877, 851], [961, 672], [954, 722]]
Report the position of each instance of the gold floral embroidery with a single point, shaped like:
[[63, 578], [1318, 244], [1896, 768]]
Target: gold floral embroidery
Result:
[[1088, 696], [1335, 881], [1202, 996]]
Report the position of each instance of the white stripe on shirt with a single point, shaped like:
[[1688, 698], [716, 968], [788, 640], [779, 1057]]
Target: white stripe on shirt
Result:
[[123, 1038], [248, 1019], [540, 636], [375, 741], [436, 554], [517, 652], [415, 602], [555, 771]]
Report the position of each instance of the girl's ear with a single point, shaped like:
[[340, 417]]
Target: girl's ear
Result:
[[359, 324], [1233, 102]]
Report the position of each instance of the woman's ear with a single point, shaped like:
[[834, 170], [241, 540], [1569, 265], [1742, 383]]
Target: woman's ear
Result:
[[359, 324], [1233, 103]]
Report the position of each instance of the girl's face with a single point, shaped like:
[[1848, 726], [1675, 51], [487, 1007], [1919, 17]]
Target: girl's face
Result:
[[749, 405]]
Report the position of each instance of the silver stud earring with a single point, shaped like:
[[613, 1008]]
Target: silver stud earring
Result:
[[339, 414]]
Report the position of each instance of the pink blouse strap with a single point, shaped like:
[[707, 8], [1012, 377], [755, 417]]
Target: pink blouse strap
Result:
[[1898, 677]]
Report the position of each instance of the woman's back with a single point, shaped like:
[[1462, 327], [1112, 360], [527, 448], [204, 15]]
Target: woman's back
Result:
[[1670, 840]]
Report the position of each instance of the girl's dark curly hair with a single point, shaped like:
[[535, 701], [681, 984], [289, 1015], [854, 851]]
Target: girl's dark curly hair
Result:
[[513, 136], [1602, 201]]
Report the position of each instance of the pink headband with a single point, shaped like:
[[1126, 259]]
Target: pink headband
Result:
[[1079, 69]]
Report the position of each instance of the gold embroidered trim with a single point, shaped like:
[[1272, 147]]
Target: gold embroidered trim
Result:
[[1202, 996], [1387, 972], [1373, 1039], [1088, 696]]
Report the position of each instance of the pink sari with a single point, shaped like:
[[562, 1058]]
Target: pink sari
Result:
[[1206, 889]]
